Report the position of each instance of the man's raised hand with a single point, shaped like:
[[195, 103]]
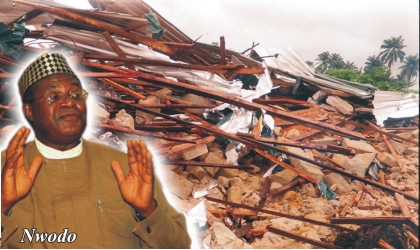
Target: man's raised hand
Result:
[[137, 187], [16, 181]]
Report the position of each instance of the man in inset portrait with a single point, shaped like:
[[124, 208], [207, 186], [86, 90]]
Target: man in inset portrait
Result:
[[62, 191]]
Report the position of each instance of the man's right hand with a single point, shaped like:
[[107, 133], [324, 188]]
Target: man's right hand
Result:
[[16, 181]]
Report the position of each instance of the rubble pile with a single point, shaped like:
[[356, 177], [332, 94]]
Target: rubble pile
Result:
[[257, 154]]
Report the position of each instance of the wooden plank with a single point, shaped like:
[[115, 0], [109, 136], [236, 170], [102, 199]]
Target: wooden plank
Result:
[[297, 237], [369, 220], [84, 20], [189, 146], [205, 164], [117, 48], [384, 244], [142, 133], [248, 105], [394, 154], [293, 217], [286, 166], [286, 187], [358, 196], [413, 239], [292, 143], [222, 51], [348, 205], [219, 69], [120, 87]]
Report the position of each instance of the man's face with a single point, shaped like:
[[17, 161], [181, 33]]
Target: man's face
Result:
[[58, 122]]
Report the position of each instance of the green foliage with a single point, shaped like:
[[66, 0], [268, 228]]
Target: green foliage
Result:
[[371, 62], [374, 72], [345, 74]]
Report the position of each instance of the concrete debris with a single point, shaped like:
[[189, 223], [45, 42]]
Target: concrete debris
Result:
[[180, 186], [222, 237], [387, 159], [283, 177], [122, 119], [359, 146], [359, 164], [194, 152], [342, 106], [304, 166], [149, 100], [174, 93], [337, 183]]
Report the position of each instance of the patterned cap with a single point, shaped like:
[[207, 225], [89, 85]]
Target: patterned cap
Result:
[[45, 65]]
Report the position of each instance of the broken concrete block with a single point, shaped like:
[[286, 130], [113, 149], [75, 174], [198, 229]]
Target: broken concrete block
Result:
[[197, 171], [398, 147], [392, 183], [387, 159], [194, 152], [243, 175], [309, 190], [195, 99], [180, 186], [318, 96], [254, 182], [359, 164], [411, 150], [325, 141], [149, 100], [212, 158], [234, 194], [216, 193], [304, 166], [341, 105], [274, 186], [217, 151], [223, 238], [164, 91], [252, 200], [286, 224], [343, 187], [277, 131], [359, 146], [284, 177], [223, 181], [339, 159], [228, 172], [123, 119], [292, 133], [236, 181]]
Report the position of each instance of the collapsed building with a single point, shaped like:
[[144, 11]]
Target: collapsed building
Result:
[[257, 149]]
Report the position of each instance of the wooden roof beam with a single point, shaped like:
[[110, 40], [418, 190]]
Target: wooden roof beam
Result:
[[83, 20]]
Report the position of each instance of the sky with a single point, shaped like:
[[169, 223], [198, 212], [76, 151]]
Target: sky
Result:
[[355, 29]]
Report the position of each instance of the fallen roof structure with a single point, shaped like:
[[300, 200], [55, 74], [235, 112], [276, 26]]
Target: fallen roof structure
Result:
[[273, 145]]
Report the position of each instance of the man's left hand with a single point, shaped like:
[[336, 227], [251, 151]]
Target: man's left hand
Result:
[[137, 187]]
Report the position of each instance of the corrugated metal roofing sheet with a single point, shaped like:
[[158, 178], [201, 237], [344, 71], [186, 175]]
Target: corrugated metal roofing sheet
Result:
[[390, 104]]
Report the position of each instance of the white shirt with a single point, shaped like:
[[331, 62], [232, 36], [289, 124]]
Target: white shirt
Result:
[[51, 153]]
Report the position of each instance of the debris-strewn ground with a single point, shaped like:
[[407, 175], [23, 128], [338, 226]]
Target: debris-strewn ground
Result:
[[257, 156]]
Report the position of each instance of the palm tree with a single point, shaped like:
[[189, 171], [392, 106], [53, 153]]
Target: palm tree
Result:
[[310, 64], [392, 50], [350, 65], [372, 61], [410, 67], [336, 61], [324, 62]]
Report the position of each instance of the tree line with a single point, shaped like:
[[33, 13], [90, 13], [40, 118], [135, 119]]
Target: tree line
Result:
[[376, 70]]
